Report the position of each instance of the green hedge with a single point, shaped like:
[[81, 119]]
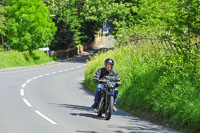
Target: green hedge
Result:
[[158, 83], [17, 59]]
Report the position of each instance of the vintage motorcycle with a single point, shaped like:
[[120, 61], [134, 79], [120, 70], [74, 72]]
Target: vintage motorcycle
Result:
[[105, 106]]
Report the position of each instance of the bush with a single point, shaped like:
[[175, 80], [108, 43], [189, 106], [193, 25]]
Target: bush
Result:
[[29, 24], [155, 82], [16, 59]]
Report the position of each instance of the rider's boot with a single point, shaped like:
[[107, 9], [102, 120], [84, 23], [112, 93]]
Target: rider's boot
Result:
[[114, 108], [94, 105]]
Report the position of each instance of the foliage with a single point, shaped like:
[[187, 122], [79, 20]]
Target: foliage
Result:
[[78, 20], [164, 84], [29, 24], [173, 20], [16, 59], [120, 13], [2, 24], [184, 25], [158, 82], [68, 21]]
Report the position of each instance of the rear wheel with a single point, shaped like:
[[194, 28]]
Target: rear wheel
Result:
[[109, 110]]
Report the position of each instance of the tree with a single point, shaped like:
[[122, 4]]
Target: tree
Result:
[[78, 20], [29, 24], [69, 22], [2, 24], [184, 25]]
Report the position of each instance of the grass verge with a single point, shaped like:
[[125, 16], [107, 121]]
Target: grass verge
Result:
[[18, 59], [156, 82]]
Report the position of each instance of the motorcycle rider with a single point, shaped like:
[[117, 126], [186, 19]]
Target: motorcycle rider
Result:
[[100, 74]]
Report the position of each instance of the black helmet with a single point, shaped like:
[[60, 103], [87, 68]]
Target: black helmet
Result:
[[109, 60]]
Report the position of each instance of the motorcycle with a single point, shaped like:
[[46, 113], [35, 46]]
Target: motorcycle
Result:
[[105, 106]]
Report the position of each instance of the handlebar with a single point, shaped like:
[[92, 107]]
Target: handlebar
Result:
[[119, 83], [105, 81], [102, 81]]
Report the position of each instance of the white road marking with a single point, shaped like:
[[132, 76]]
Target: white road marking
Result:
[[26, 102], [41, 76], [24, 84], [22, 92], [35, 78], [47, 74], [45, 117], [78, 67], [28, 81]]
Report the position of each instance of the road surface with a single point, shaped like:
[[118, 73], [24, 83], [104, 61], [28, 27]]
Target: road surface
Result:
[[54, 100]]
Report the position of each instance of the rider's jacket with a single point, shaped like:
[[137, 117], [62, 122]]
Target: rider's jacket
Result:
[[102, 72]]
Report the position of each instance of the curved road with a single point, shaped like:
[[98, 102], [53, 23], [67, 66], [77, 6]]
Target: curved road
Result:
[[53, 100]]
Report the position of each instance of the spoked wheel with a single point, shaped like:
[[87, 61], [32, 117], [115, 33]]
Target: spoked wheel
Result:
[[109, 109]]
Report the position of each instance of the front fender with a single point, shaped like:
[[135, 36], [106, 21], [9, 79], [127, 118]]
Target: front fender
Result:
[[111, 93]]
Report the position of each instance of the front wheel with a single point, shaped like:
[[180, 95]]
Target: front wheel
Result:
[[109, 110], [100, 107]]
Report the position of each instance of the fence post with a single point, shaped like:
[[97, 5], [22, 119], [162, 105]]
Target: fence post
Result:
[[167, 46], [176, 48], [163, 45], [157, 44], [142, 41], [146, 40], [135, 43], [152, 43], [171, 48]]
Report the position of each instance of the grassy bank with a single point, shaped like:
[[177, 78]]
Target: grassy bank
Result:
[[157, 83], [17, 59]]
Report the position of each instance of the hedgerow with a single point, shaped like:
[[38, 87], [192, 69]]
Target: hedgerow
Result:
[[156, 82]]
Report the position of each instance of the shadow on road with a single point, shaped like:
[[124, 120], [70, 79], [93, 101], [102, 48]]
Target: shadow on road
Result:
[[88, 115], [75, 107], [86, 90], [130, 124], [80, 109], [91, 114], [142, 128], [79, 131]]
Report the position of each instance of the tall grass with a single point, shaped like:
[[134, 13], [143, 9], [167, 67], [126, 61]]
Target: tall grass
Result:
[[163, 84], [16, 59]]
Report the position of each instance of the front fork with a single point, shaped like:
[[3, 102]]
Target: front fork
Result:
[[107, 98]]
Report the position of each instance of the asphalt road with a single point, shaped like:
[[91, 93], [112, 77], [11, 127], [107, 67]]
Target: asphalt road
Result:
[[54, 100]]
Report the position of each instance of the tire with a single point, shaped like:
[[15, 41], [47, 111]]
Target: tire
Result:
[[109, 110]]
